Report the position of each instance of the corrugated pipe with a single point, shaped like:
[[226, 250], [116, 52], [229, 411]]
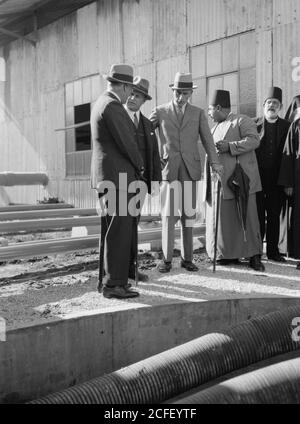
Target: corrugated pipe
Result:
[[182, 368], [276, 383]]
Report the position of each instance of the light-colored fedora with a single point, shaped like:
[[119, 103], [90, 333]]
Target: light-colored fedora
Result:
[[141, 85], [120, 73], [183, 82]]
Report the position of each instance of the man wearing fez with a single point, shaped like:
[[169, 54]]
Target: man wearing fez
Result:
[[236, 139], [116, 162], [272, 132], [181, 127], [147, 145]]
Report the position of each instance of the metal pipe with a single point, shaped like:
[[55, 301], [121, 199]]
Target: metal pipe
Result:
[[275, 383], [182, 368]]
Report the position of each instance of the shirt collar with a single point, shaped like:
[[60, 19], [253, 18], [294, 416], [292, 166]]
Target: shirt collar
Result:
[[272, 121], [183, 107], [131, 113], [115, 94]]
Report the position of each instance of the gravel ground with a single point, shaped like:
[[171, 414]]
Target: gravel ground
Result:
[[50, 288]]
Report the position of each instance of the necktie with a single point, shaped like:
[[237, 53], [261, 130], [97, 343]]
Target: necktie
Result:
[[135, 120], [180, 114]]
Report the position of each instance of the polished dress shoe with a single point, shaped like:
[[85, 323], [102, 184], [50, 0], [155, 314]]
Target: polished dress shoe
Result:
[[256, 264], [164, 266], [119, 292], [276, 258], [141, 276], [189, 266], [225, 262], [100, 287]]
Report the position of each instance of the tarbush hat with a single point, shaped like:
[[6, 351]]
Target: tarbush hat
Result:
[[183, 82], [142, 86], [120, 73], [221, 98], [274, 93]]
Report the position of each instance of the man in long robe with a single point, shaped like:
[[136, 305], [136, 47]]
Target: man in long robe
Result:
[[272, 132], [236, 139], [289, 178]]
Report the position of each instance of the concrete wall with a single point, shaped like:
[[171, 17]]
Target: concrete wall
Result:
[[42, 359]]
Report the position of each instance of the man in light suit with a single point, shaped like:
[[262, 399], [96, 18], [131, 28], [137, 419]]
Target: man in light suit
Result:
[[236, 139], [179, 126], [115, 158]]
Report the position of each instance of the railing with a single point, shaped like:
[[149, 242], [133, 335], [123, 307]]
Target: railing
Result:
[[51, 219]]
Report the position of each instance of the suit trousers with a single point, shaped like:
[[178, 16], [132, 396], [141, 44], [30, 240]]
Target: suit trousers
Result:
[[118, 229], [269, 204], [178, 201]]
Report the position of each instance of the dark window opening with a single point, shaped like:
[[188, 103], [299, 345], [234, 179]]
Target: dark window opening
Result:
[[82, 134]]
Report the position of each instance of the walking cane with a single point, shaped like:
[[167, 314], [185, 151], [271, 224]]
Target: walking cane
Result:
[[287, 227], [101, 256], [217, 224], [136, 251]]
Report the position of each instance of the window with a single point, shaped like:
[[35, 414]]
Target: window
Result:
[[80, 96], [228, 64], [225, 82], [82, 134]]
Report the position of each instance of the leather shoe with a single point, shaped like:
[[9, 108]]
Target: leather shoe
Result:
[[119, 292], [100, 287], [141, 276], [164, 266], [277, 258], [256, 264], [189, 266]]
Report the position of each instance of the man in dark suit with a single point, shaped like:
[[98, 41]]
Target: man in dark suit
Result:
[[272, 132], [147, 144], [116, 163]]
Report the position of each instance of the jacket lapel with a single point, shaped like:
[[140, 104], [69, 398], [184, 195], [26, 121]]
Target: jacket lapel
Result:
[[147, 132], [172, 114], [227, 125]]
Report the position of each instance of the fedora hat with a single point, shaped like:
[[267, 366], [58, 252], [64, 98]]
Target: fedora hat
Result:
[[120, 73], [183, 82], [141, 85]]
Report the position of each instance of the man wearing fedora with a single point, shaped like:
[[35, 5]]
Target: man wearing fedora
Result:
[[146, 142], [272, 132], [115, 158], [181, 127], [236, 139]]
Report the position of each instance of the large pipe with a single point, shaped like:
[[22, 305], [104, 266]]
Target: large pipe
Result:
[[268, 384], [178, 370], [23, 178]]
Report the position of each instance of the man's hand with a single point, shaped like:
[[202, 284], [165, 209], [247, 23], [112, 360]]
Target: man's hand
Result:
[[222, 146], [217, 169], [289, 191]]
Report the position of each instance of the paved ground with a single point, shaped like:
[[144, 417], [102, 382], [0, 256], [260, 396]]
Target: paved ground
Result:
[[50, 288]]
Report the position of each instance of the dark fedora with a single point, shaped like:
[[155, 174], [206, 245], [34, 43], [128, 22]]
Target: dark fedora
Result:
[[274, 93], [142, 86], [220, 98], [120, 73], [183, 82]]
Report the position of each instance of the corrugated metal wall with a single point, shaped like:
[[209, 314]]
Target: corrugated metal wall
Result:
[[159, 37]]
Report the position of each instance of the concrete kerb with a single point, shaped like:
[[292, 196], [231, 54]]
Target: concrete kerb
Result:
[[41, 359]]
